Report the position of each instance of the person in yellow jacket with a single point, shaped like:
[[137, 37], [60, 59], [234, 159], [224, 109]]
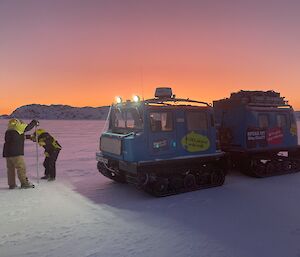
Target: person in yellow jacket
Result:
[[13, 151], [52, 149]]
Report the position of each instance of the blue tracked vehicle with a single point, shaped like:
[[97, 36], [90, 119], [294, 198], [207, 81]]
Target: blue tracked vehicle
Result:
[[259, 132], [163, 145]]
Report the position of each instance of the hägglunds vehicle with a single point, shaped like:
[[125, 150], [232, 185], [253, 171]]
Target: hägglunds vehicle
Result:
[[258, 130], [165, 145]]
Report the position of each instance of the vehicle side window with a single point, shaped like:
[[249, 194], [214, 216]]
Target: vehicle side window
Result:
[[196, 121], [161, 121], [263, 120], [281, 120]]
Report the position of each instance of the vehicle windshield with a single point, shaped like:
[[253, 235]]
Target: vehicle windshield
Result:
[[125, 120]]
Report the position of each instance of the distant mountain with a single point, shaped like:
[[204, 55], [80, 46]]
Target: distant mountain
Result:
[[5, 116], [58, 112], [65, 112]]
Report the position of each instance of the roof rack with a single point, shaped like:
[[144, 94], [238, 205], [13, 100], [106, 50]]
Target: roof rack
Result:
[[165, 101], [258, 98]]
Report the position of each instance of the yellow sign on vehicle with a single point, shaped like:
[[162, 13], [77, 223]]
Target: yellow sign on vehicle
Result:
[[194, 142], [293, 129]]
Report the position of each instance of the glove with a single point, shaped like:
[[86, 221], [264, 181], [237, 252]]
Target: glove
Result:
[[32, 138], [36, 122], [41, 143], [47, 154]]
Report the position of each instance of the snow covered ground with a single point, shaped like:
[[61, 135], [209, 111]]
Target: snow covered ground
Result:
[[86, 215]]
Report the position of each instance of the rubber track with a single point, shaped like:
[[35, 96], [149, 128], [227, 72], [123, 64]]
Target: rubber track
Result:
[[253, 173], [183, 190]]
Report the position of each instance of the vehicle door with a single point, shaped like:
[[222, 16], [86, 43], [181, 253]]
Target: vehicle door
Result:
[[162, 134], [198, 137]]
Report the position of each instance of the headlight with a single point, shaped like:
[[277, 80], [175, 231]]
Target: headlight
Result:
[[118, 99], [136, 98]]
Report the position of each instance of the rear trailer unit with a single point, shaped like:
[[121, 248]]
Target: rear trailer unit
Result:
[[259, 132]]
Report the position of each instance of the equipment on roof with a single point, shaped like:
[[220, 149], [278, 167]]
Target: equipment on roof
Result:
[[163, 92], [270, 98]]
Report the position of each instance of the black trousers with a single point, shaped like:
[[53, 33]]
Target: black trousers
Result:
[[50, 164]]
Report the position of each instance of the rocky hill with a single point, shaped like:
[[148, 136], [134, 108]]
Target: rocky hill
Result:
[[5, 116], [64, 112], [59, 112]]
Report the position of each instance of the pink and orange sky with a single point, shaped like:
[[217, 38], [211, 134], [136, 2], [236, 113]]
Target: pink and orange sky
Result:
[[84, 53]]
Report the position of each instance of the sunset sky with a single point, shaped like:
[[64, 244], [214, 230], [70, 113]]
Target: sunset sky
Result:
[[84, 53]]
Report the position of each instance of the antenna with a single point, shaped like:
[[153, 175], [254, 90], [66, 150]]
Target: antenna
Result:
[[142, 81]]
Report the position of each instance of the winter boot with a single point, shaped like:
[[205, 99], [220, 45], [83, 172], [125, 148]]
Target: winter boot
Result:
[[51, 179], [13, 187], [27, 185], [44, 177]]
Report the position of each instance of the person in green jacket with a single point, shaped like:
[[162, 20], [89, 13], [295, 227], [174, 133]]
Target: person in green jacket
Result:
[[52, 149]]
